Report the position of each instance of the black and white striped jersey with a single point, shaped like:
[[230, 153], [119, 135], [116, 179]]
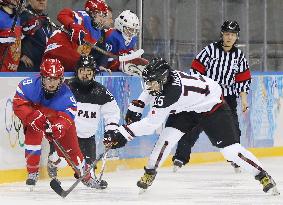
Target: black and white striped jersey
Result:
[[229, 69]]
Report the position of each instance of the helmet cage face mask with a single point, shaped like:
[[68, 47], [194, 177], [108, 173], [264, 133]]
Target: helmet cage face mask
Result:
[[129, 32]]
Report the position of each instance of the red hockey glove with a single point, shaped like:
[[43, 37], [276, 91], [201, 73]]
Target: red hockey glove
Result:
[[37, 120], [56, 132], [77, 34]]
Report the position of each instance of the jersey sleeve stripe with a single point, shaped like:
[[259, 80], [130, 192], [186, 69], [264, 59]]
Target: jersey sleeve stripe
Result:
[[196, 65], [243, 76]]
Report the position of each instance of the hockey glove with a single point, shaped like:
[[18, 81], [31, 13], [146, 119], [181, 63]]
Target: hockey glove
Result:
[[132, 117], [114, 139], [77, 34], [37, 120], [134, 67], [56, 132]]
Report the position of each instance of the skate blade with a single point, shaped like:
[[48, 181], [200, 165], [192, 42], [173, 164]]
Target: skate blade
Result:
[[31, 188], [237, 170], [175, 169], [142, 191], [274, 191]]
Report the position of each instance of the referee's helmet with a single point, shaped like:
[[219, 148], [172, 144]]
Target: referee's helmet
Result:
[[230, 26]]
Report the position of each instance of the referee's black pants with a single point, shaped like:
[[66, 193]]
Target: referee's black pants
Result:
[[185, 144]]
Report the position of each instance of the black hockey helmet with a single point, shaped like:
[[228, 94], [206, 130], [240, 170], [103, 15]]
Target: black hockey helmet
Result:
[[158, 70], [85, 62], [230, 26]]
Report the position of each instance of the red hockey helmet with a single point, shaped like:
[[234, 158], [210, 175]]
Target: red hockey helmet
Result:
[[51, 68], [96, 6], [52, 75]]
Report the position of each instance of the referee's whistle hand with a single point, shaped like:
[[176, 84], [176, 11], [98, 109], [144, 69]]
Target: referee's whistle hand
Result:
[[245, 109]]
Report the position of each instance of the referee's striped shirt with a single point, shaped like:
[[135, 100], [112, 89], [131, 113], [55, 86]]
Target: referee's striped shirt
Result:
[[229, 69]]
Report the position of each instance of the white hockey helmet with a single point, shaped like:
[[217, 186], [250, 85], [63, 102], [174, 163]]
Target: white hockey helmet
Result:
[[128, 24]]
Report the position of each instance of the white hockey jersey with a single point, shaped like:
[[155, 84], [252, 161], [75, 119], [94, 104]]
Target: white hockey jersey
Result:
[[183, 93], [93, 105]]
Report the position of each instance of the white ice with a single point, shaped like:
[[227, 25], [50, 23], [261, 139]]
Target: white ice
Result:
[[207, 184]]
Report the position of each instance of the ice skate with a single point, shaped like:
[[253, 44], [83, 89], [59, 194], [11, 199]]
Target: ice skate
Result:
[[52, 168], [147, 179], [94, 183], [31, 180], [269, 185], [177, 164]]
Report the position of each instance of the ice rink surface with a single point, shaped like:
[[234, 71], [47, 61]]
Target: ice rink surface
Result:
[[208, 184]]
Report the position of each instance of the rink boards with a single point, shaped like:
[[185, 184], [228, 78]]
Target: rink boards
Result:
[[261, 127]]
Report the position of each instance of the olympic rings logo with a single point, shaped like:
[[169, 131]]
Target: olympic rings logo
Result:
[[13, 126]]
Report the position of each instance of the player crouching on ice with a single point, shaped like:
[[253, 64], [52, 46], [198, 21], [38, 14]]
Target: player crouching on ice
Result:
[[187, 101], [94, 103], [44, 103]]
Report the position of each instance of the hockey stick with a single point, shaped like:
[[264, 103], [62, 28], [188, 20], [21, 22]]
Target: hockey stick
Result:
[[67, 157], [250, 162], [143, 189], [123, 58], [56, 185], [61, 148], [274, 190], [102, 166], [160, 154]]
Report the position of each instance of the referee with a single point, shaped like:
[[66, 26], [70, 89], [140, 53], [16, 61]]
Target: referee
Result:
[[227, 65]]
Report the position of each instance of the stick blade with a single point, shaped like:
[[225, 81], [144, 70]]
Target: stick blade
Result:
[[56, 186]]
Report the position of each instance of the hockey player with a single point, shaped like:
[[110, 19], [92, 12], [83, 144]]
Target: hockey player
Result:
[[83, 25], [94, 102], [10, 35], [43, 100], [36, 30], [122, 39], [187, 101], [226, 64]]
